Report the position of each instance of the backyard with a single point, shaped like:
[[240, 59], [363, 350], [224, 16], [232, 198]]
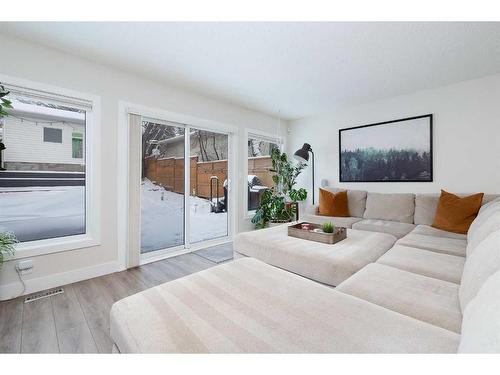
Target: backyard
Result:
[[34, 213]]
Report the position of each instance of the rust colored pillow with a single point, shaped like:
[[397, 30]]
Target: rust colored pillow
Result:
[[333, 204], [456, 214]]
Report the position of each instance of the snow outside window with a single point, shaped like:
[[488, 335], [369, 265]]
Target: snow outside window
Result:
[[43, 184]]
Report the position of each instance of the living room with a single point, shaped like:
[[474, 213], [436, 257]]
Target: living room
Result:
[[342, 194]]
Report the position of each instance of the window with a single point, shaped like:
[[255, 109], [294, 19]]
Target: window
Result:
[[260, 174], [43, 189], [52, 135], [77, 145]]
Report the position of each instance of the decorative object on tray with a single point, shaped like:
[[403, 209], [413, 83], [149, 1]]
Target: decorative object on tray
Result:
[[315, 232], [391, 151], [328, 227]]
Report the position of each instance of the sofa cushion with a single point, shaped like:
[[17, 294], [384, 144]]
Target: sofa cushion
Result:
[[328, 264], [452, 246], [427, 230], [486, 223], [430, 300], [392, 207], [426, 205], [481, 264], [487, 203], [425, 208], [247, 306], [345, 222], [456, 214], [395, 228], [481, 323], [423, 262], [333, 204], [356, 200]]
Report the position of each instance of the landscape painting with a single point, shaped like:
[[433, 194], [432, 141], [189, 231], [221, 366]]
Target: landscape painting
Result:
[[392, 151]]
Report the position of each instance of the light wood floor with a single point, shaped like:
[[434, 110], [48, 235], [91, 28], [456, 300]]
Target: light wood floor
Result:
[[77, 321]]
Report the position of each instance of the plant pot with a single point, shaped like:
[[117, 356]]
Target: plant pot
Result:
[[272, 224]]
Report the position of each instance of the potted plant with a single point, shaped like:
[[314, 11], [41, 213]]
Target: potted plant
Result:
[[8, 241], [278, 204], [4, 103]]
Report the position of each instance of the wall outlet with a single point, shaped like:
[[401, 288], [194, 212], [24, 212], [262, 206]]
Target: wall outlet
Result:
[[25, 266]]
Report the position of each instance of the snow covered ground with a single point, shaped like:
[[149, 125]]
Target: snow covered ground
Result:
[[35, 213], [162, 219]]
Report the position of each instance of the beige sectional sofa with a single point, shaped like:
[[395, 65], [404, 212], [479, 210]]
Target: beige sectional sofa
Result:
[[431, 292], [396, 214]]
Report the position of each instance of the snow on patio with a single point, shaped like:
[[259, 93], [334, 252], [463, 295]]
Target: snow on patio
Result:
[[35, 213], [162, 218]]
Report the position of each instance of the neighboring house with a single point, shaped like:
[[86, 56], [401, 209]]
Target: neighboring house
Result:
[[207, 146], [34, 143]]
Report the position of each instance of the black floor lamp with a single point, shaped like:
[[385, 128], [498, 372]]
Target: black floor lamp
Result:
[[302, 155]]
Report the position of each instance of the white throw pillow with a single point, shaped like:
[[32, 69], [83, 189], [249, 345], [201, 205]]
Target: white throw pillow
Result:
[[481, 321], [479, 266]]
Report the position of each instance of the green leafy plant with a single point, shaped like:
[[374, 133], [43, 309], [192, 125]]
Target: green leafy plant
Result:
[[286, 175], [4, 103], [8, 241], [277, 204], [327, 227]]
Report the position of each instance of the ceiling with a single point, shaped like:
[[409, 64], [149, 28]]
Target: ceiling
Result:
[[291, 69]]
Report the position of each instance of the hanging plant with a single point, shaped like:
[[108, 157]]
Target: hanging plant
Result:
[[4, 103]]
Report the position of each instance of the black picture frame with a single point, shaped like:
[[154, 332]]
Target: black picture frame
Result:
[[431, 161]]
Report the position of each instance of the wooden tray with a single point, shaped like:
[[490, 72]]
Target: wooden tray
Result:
[[339, 233]]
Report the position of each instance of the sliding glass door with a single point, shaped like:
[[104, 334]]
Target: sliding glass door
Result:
[[184, 187], [208, 203], [162, 186]]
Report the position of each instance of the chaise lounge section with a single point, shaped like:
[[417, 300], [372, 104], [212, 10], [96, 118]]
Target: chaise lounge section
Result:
[[422, 295]]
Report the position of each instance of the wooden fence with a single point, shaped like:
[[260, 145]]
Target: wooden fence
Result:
[[169, 173]]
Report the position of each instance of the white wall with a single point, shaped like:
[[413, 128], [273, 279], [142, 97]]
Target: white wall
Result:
[[28, 61], [466, 137], [24, 141]]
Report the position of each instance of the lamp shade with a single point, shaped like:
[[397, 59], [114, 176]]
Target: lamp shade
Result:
[[302, 154]]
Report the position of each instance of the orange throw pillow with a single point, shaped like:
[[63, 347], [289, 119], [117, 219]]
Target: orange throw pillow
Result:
[[455, 214], [333, 204]]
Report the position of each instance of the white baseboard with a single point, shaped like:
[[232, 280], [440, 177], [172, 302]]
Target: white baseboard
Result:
[[12, 290]]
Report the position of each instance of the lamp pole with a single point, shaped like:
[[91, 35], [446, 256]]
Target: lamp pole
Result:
[[312, 152]]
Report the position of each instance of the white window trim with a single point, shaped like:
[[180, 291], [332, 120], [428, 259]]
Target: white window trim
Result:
[[124, 109], [265, 136], [92, 237]]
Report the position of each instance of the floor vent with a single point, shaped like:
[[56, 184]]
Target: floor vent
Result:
[[45, 294]]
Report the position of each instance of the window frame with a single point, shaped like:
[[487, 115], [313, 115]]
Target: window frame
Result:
[[92, 235], [78, 137], [126, 108], [264, 136]]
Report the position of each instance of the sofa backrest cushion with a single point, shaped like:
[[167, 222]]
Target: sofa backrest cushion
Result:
[[486, 203], [393, 207], [481, 323], [426, 205], [356, 200], [479, 266], [486, 222]]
